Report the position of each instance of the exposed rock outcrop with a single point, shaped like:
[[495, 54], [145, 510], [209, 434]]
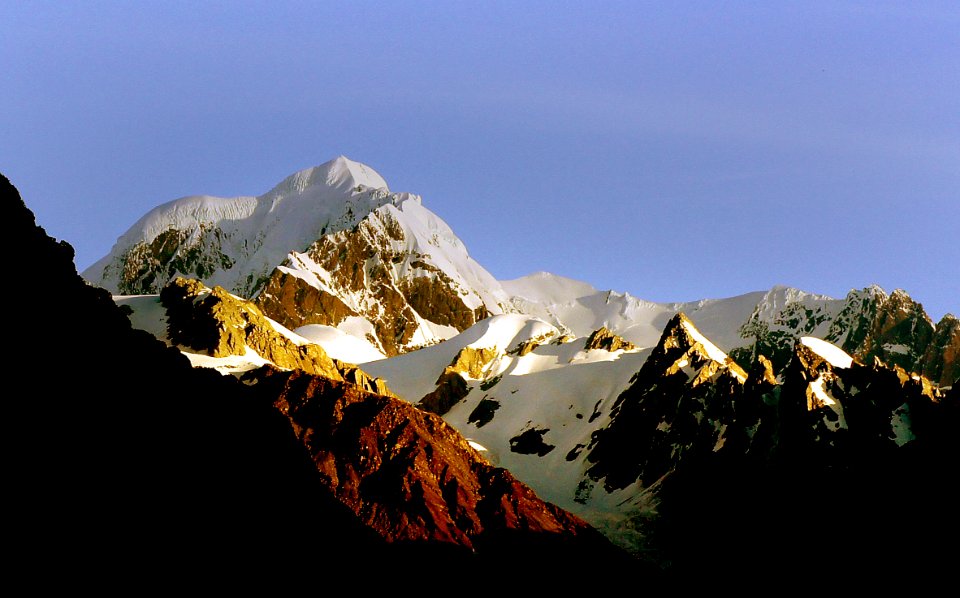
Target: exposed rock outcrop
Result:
[[531, 442], [354, 375], [469, 362], [473, 361], [221, 324], [451, 387], [293, 302], [146, 267], [214, 321], [603, 339], [852, 324]]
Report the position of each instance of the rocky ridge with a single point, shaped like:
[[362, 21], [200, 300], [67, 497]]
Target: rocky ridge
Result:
[[868, 323], [411, 477]]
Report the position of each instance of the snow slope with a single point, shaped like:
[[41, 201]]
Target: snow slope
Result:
[[339, 344], [537, 412], [559, 387]]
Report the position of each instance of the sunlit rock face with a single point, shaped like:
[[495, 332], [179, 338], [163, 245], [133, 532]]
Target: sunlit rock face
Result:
[[377, 271], [409, 475], [602, 338], [220, 324]]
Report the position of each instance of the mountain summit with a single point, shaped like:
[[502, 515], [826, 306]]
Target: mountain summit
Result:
[[339, 173], [329, 245]]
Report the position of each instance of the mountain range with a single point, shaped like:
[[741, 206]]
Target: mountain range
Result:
[[341, 338]]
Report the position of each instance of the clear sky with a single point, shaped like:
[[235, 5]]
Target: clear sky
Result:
[[672, 150]]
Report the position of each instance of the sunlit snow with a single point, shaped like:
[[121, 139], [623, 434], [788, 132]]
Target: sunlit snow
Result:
[[339, 344], [834, 355]]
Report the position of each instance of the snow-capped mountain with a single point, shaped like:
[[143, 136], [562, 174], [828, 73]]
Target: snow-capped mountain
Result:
[[332, 253], [329, 245], [609, 406]]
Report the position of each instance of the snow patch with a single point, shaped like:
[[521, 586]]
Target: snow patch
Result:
[[340, 344], [232, 364], [896, 348], [834, 355]]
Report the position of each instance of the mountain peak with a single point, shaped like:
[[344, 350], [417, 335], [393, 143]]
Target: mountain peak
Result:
[[682, 327], [339, 173]]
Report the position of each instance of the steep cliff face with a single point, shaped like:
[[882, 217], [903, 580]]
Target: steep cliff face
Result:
[[941, 361], [777, 322], [850, 327], [868, 323]]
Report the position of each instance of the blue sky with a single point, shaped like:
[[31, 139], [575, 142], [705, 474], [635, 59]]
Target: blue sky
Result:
[[672, 150]]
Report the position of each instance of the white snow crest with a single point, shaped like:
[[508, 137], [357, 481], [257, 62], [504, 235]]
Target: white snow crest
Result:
[[715, 353], [834, 355]]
